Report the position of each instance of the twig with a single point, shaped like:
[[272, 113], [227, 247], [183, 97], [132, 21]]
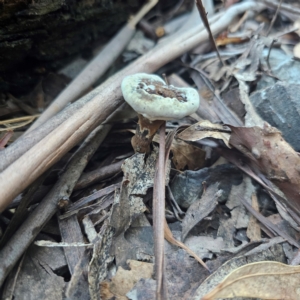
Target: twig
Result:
[[21, 211], [50, 149], [96, 68], [269, 224], [269, 53], [159, 214], [193, 19], [203, 16], [274, 18], [21, 122], [284, 6], [97, 175], [22, 239], [26, 108]]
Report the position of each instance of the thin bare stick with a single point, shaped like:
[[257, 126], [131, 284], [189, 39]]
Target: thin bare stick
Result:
[[97, 175], [203, 16], [159, 213], [22, 239], [17, 122], [274, 18], [51, 148], [144, 10], [269, 53], [95, 69], [285, 6]]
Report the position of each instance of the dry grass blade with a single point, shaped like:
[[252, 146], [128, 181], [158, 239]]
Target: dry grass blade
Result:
[[17, 122], [274, 18], [265, 280]]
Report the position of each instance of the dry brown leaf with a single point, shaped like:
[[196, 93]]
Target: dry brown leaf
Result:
[[205, 129], [125, 280], [273, 156], [265, 280], [187, 155]]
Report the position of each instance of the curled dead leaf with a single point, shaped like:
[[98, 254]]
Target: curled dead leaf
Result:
[[186, 155], [205, 129], [265, 280]]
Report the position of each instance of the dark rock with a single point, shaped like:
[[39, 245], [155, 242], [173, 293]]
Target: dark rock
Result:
[[188, 186], [279, 105], [283, 66]]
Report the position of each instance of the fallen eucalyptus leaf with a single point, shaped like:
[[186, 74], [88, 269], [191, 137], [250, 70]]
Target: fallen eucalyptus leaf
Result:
[[221, 270], [205, 129], [265, 280]]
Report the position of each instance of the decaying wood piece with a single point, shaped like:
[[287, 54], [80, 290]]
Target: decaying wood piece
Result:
[[46, 152]]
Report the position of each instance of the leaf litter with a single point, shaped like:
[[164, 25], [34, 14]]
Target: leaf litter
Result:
[[242, 220]]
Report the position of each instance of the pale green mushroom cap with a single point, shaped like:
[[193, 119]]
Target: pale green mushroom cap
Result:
[[151, 97]]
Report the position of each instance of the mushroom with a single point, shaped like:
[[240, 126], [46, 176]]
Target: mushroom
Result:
[[155, 102]]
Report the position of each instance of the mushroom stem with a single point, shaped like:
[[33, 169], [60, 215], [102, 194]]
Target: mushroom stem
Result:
[[145, 132]]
